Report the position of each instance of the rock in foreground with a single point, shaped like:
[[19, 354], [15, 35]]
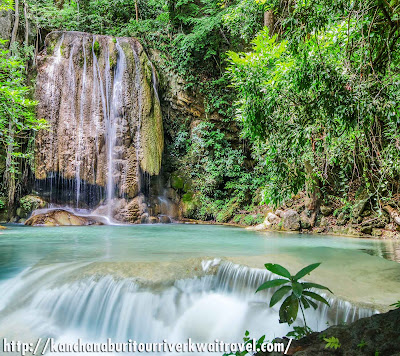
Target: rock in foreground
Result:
[[60, 217], [376, 335]]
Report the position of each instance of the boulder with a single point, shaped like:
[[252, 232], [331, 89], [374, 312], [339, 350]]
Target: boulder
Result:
[[272, 218], [360, 204], [290, 220], [305, 219], [164, 219], [59, 217], [324, 222], [326, 210], [366, 229], [342, 219], [378, 335], [153, 220], [29, 203], [376, 221]]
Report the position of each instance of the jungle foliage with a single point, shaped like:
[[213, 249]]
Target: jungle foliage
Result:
[[316, 96], [321, 97]]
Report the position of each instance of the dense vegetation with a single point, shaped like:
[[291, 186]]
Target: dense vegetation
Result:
[[308, 102]]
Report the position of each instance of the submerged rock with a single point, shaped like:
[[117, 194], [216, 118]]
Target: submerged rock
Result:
[[60, 217]]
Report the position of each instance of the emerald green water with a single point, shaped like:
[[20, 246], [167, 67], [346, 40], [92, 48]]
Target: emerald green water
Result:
[[149, 282], [22, 247]]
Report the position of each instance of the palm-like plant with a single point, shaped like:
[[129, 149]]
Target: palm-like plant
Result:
[[300, 294]]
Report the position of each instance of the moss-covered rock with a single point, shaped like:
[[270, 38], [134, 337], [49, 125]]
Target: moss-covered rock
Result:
[[177, 181], [378, 335], [152, 133], [29, 203]]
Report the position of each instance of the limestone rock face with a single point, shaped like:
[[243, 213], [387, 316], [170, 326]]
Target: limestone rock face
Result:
[[59, 217], [99, 97]]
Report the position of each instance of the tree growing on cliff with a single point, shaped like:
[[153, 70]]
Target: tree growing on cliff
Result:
[[17, 118]]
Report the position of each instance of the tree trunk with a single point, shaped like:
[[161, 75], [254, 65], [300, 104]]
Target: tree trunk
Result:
[[269, 21], [394, 215], [16, 23], [26, 24], [137, 11], [9, 176], [314, 192]]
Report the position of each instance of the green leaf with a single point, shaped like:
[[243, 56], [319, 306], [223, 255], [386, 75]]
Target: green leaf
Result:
[[305, 302], [306, 270], [316, 297], [278, 269], [288, 310], [278, 295], [307, 285], [312, 303], [297, 289], [272, 284]]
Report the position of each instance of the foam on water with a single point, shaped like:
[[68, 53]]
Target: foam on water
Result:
[[59, 301]]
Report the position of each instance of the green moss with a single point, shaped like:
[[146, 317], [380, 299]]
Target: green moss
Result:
[[96, 48], [112, 61], [188, 186], [152, 134], [177, 182], [187, 197]]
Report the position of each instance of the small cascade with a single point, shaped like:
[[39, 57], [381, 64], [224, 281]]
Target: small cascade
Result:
[[244, 280], [105, 134], [65, 302]]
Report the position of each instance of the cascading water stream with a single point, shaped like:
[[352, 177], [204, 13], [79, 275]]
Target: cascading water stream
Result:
[[66, 302], [116, 111], [51, 90], [79, 148]]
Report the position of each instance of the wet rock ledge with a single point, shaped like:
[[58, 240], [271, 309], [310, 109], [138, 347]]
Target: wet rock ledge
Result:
[[59, 217]]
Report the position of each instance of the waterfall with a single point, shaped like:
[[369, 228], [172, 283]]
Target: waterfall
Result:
[[104, 132], [116, 114], [80, 130], [66, 302]]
